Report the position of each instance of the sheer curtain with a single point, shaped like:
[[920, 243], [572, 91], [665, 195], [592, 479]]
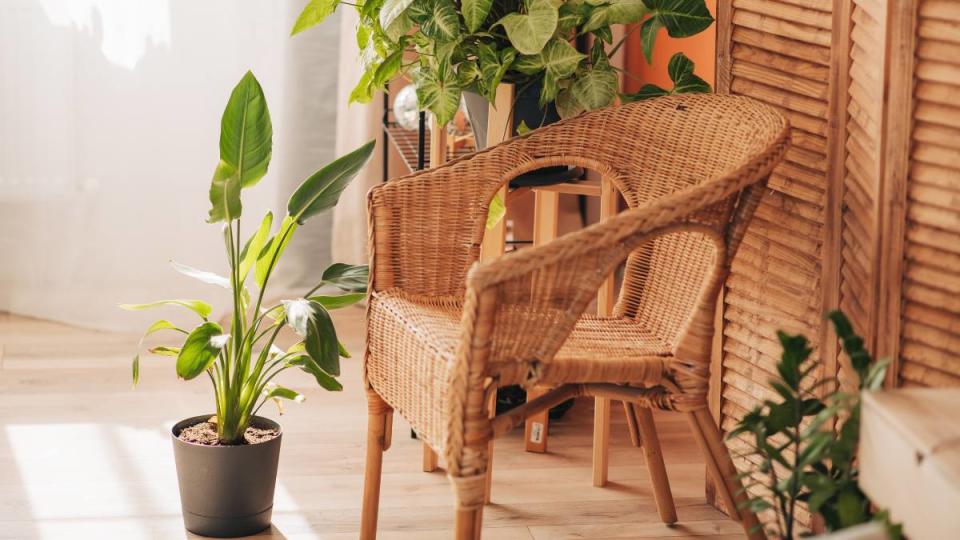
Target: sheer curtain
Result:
[[110, 116]]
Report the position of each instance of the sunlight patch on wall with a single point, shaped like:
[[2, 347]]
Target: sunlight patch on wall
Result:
[[125, 26]]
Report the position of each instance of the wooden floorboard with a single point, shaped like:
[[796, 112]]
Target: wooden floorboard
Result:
[[84, 455]]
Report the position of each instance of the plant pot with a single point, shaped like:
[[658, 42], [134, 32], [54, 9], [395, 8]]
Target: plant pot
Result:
[[226, 491], [526, 110]]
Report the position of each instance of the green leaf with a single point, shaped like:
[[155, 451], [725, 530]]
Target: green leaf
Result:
[[475, 13], [682, 18], [363, 91], [344, 353], [392, 10], [523, 128], [399, 27], [386, 71], [530, 32], [224, 194], [135, 368], [202, 309], [439, 92], [647, 91], [596, 88], [248, 256], [246, 134], [684, 80], [325, 380], [322, 190], [163, 350], [274, 390], [560, 59], [347, 277], [496, 212], [202, 275], [443, 23], [339, 301], [616, 12], [311, 321], [199, 351], [315, 12], [567, 104], [157, 326], [648, 36], [493, 66], [272, 251]]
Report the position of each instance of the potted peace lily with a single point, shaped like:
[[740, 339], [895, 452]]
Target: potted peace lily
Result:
[[450, 48], [227, 461]]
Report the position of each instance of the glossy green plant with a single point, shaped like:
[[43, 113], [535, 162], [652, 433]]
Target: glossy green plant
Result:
[[448, 46], [805, 443], [242, 362]]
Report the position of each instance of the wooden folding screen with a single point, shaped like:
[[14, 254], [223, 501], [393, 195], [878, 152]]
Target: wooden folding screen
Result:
[[865, 212]]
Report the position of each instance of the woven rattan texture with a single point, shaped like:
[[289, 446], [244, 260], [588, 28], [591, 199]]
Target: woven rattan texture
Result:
[[442, 327]]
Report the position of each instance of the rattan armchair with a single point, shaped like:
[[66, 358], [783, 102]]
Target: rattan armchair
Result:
[[444, 332]]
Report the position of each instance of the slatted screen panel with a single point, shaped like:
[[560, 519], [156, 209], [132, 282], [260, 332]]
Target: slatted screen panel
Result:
[[862, 175], [930, 327], [776, 51]]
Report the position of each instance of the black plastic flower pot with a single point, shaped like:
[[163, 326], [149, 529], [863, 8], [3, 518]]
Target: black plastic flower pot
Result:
[[226, 491]]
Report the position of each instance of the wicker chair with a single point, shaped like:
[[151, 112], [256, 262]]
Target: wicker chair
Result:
[[444, 332]]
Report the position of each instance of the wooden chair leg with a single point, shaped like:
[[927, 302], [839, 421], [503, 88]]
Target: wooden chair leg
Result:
[[724, 472], [601, 441], [430, 459], [631, 424], [653, 455], [379, 428]]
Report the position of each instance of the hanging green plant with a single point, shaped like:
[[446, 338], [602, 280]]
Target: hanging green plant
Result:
[[446, 47]]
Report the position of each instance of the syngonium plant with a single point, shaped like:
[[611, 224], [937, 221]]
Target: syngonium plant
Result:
[[448, 46], [242, 362]]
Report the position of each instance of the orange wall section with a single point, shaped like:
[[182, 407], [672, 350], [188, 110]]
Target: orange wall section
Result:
[[701, 48]]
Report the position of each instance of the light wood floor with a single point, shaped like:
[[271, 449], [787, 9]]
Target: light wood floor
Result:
[[83, 455]]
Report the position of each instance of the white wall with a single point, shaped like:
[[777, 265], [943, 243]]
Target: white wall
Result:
[[109, 118]]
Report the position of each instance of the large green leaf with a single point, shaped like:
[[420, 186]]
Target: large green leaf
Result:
[[596, 88], [443, 23], [322, 190], [392, 10], [530, 32], [363, 91], [347, 277], [202, 309], [315, 12], [272, 251], [248, 256], [273, 390], [224, 194], [475, 13], [567, 104], [616, 12], [324, 379], [312, 322], [339, 301], [493, 66], [202, 275], [246, 134], [200, 350], [684, 80], [438, 91], [682, 18], [560, 59], [648, 36], [399, 27]]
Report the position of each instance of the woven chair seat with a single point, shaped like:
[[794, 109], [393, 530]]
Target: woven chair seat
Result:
[[417, 337]]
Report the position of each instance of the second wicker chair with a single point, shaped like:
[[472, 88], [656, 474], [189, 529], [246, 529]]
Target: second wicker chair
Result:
[[444, 332]]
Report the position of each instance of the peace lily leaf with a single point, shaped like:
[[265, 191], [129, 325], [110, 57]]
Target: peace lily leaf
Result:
[[157, 326], [530, 32], [439, 92], [648, 36], [391, 10], [596, 88], [347, 277], [340, 301], [224, 194], [135, 369], [443, 23], [273, 390], [246, 133], [567, 104], [344, 353], [202, 275], [682, 18], [313, 14], [201, 348], [163, 350], [322, 190], [272, 251], [202, 309], [274, 312], [496, 212], [616, 12], [323, 379], [475, 13], [248, 256]]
